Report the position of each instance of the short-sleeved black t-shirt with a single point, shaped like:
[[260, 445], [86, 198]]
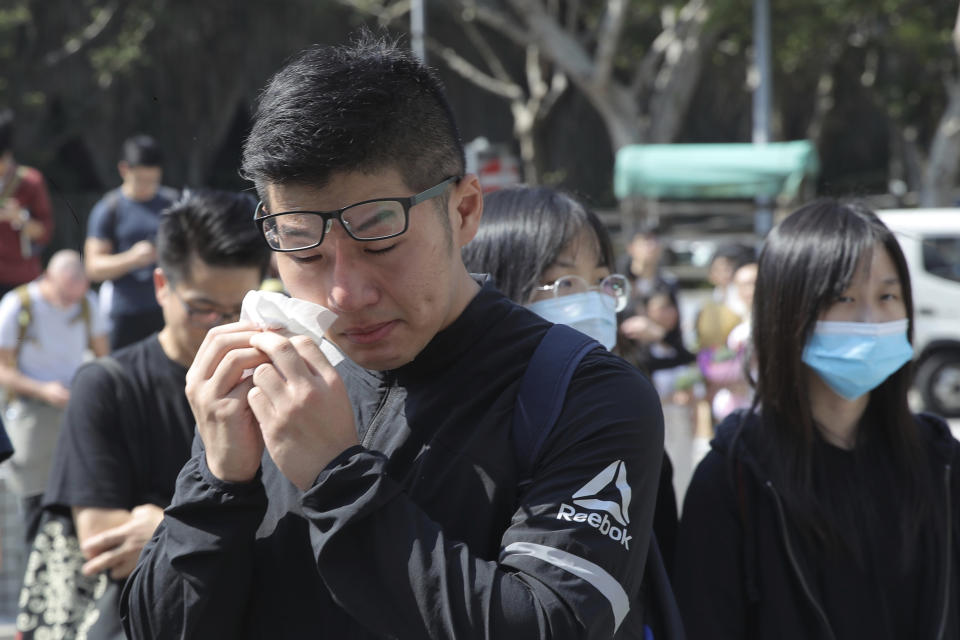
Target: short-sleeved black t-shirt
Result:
[[120, 448]]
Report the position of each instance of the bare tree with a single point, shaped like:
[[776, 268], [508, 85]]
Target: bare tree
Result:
[[645, 105], [580, 43], [531, 97]]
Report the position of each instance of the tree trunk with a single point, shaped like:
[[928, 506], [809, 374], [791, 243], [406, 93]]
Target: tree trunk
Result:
[[940, 177], [941, 173]]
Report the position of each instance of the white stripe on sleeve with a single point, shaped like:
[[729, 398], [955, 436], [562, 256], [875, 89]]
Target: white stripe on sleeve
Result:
[[602, 581]]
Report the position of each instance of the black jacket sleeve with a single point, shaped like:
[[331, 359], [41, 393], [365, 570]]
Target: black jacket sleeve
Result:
[[195, 575], [708, 574], [570, 564]]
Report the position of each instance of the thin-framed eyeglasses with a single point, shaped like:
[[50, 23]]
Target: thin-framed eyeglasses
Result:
[[615, 286], [377, 219], [205, 318]]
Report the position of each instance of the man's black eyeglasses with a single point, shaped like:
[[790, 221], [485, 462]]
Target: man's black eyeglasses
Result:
[[368, 220]]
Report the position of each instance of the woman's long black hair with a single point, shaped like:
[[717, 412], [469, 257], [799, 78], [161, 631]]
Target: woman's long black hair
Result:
[[522, 232], [806, 263]]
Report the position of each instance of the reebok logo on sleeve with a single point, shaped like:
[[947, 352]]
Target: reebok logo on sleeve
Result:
[[588, 497]]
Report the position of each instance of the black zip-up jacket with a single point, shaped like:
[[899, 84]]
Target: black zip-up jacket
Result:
[[743, 572], [421, 532]]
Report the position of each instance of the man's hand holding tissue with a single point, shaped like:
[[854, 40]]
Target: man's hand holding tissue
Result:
[[302, 406], [217, 392]]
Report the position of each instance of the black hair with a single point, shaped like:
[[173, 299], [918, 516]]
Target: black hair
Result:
[[736, 254], [522, 232], [806, 263], [141, 150], [214, 226], [365, 107], [674, 336], [6, 130]]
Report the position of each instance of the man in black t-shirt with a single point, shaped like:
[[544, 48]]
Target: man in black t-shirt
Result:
[[128, 429]]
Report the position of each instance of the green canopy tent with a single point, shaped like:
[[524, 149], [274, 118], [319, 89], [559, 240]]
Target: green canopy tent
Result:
[[647, 174]]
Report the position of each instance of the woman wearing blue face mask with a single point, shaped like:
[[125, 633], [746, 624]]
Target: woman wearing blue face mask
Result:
[[548, 252], [827, 510]]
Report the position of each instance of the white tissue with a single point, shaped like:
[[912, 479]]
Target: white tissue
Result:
[[291, 316]]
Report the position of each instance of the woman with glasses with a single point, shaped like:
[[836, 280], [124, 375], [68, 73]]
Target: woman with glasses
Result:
[[548, 252], [827, 510]]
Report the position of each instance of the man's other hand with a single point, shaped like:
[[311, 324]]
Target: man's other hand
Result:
[[118, 548]]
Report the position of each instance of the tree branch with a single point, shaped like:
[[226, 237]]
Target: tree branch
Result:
[[608, 39], [101, 19], [494, 19], [486, 52], [468, 71], [564, 50]]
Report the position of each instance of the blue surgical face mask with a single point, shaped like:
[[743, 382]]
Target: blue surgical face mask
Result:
[[853, 358], [586, 312]]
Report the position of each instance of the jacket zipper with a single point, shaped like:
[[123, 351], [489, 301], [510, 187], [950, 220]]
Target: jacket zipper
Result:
[[948, 543], [376, 421], [796, 565]]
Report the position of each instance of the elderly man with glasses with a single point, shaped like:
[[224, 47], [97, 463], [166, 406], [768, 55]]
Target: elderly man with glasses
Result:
[[382, 498]]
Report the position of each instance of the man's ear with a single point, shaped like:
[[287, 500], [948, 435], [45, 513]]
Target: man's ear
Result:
[[466, 209], [122, 168], [160, 284]]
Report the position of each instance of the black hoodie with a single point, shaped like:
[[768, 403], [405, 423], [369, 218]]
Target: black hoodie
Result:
[[744, 571]]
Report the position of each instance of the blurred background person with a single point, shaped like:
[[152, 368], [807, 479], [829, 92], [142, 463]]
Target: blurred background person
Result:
[[641, 263], [26, 220], [547, 251], [47, 328], [718, 316], [730, 373], [120, 240], [130, 415], [828, 510]]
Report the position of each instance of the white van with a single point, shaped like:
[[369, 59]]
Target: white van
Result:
[[930, 239]]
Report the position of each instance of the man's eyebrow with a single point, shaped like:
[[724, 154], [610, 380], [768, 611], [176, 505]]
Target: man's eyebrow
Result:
[[207, 301], [891, 280]]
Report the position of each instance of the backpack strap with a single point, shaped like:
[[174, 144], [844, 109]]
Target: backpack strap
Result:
[[543, 390], [24, 318]]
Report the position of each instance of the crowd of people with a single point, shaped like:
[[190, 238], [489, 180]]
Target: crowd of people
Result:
[[496, 435]]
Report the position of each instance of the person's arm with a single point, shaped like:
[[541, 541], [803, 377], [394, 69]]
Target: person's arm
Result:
[[112, 539], [101, 263], [195, 576], [708, 574], [32, 196], [558, 575], [52, 393], [100, 345]]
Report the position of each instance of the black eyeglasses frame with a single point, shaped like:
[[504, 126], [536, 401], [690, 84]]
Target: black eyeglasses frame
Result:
[[407, 203]]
